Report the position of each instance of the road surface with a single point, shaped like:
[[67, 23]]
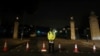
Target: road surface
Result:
[[67, 48]]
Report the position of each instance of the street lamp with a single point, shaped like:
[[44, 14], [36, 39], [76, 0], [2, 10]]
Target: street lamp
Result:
[[21, 35], [87, 37]]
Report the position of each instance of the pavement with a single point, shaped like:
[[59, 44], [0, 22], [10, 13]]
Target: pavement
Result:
[[92, 42]]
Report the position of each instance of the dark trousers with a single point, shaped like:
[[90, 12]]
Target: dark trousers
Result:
[[51, 47]]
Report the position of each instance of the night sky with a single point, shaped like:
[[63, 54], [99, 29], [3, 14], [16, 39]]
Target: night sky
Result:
[[48, 13]]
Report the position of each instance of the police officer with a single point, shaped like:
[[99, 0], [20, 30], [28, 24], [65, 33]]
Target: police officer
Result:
[[51, 37]]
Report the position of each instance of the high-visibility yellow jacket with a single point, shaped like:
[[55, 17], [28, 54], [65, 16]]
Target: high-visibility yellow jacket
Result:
[[51, 35]]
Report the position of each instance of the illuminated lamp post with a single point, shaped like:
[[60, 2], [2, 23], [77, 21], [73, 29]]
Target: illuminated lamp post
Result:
[[72, 28], [16, 25], [94, 26]]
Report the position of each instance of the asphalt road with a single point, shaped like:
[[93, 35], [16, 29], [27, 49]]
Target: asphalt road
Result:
[[67, 48]]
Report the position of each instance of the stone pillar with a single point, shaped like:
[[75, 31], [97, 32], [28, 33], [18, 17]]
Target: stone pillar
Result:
[[72, 29], [94, 26], [15, 32]]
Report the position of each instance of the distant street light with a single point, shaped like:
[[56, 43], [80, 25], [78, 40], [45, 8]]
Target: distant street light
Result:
[[64, 29], [60, 31], [17, 18]]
